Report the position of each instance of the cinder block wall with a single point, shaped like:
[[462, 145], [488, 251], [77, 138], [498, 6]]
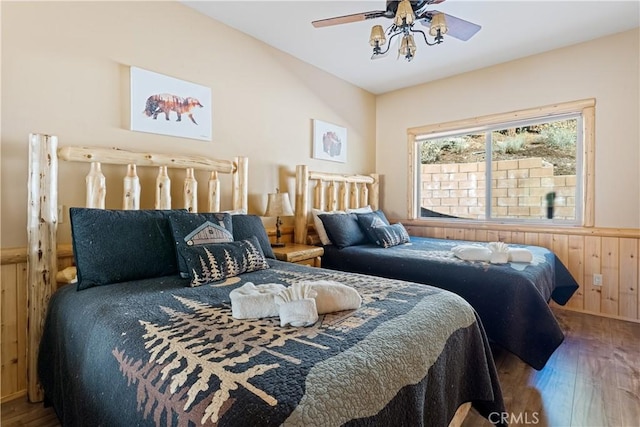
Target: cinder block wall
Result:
[[519, 189]]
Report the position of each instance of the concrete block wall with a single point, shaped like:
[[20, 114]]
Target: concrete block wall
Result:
[[519, 189]]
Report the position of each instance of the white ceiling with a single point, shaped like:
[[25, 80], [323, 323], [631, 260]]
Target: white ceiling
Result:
[[510, 30]]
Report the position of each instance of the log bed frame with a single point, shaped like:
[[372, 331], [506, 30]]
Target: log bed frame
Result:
[[42, 211], [331, 191]]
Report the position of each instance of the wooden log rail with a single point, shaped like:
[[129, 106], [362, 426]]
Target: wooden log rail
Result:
[[96, 186]]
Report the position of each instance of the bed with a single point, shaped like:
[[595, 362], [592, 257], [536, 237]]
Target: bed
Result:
[[137, 342], [511, 299]]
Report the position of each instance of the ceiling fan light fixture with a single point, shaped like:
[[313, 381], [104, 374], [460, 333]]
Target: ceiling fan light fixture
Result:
[[404, 14], [438, 25], [377, 37], [407, 47]]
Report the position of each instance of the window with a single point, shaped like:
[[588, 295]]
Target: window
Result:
[[523, 167]]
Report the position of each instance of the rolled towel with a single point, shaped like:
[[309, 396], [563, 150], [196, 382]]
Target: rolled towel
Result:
[[297, 306], [499, 253], [520, 255], [334, 296], [472, 253], [255, 302]]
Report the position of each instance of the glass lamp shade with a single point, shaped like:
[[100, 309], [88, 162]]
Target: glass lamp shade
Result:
[[278, 204], [407, 47], [438, 23], [404, 11], [377, 35]]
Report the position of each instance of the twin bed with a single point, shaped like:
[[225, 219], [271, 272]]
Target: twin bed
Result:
[[511, 299], [135, 343]]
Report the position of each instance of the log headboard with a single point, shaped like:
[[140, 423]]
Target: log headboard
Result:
[[42, 210], [331, 191]]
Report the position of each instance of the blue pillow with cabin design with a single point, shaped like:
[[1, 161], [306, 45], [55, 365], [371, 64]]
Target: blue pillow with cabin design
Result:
[[196, 229]]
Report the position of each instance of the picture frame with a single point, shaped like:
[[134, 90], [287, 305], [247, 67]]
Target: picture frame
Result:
[[329, 141], [169, 106]]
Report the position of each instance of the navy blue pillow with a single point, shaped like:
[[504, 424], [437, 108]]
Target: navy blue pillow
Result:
[[214, 262], [111, 246], [245, 226], [368, 221], [391, 235], [192, 229], [343, 230]]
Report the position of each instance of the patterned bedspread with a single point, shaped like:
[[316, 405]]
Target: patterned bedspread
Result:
[[511, 299], [154, 352]]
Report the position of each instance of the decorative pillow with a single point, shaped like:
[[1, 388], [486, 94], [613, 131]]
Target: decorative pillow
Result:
[[368, 221], [245, 226], [364, 209], [111, 246], [193, 229], [343, 230], [213, 262], [317, 222], [391, 235]]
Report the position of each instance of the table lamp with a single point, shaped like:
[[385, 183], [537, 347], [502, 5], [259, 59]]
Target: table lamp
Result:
[[278, 205]]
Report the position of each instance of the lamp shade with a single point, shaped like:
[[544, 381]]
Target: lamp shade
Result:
[[278, 204], [438, 22], [407, 47], [404, 11], [377, 35]]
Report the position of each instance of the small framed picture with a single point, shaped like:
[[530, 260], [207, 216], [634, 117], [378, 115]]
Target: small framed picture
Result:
[[329, 142], [169, 106]]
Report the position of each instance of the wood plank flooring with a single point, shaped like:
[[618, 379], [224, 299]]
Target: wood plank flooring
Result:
[[593, 379]]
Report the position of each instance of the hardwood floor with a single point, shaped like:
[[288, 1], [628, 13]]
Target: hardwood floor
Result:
[[593, 379]]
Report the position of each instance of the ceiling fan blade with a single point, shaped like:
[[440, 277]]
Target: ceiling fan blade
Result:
[[348, 18], [457, 27]]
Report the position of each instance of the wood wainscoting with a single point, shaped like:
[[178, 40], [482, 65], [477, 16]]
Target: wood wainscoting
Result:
[[612, 252], [13, 313]]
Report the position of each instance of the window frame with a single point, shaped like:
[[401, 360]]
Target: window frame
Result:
[[585, 108]]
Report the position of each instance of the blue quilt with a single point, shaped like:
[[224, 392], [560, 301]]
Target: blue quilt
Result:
[[159, 353], [511, 299]]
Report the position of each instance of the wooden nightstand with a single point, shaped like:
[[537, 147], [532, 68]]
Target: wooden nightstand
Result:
[[300, 254]]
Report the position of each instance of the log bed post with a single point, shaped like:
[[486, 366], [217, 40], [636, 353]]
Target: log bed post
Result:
[[240, 194], [302, 204], [42, 225]]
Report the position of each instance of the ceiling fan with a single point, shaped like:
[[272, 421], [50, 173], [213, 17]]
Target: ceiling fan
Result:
[[405, 14]]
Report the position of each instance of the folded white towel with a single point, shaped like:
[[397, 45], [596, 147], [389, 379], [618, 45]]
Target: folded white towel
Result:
[[334, 296], [499, 253], [297, 305], [472, 252], [520, 255], [255, 302]]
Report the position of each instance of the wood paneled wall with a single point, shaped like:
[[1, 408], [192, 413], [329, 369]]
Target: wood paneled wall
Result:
[[13, 314], [614, 253]]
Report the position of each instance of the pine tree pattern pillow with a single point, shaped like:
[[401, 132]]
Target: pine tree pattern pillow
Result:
[[214, 262], [391, 235]]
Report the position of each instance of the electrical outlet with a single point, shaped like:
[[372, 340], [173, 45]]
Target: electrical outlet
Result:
[[597, 280]]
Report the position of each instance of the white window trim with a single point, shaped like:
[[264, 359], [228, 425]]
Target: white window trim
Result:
[[585, 107]]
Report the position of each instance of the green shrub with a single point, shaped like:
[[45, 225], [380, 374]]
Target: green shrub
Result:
[[512, 144], [559, 137]]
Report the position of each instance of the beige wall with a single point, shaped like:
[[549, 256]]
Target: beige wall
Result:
[[605, 69], [65, 72]]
